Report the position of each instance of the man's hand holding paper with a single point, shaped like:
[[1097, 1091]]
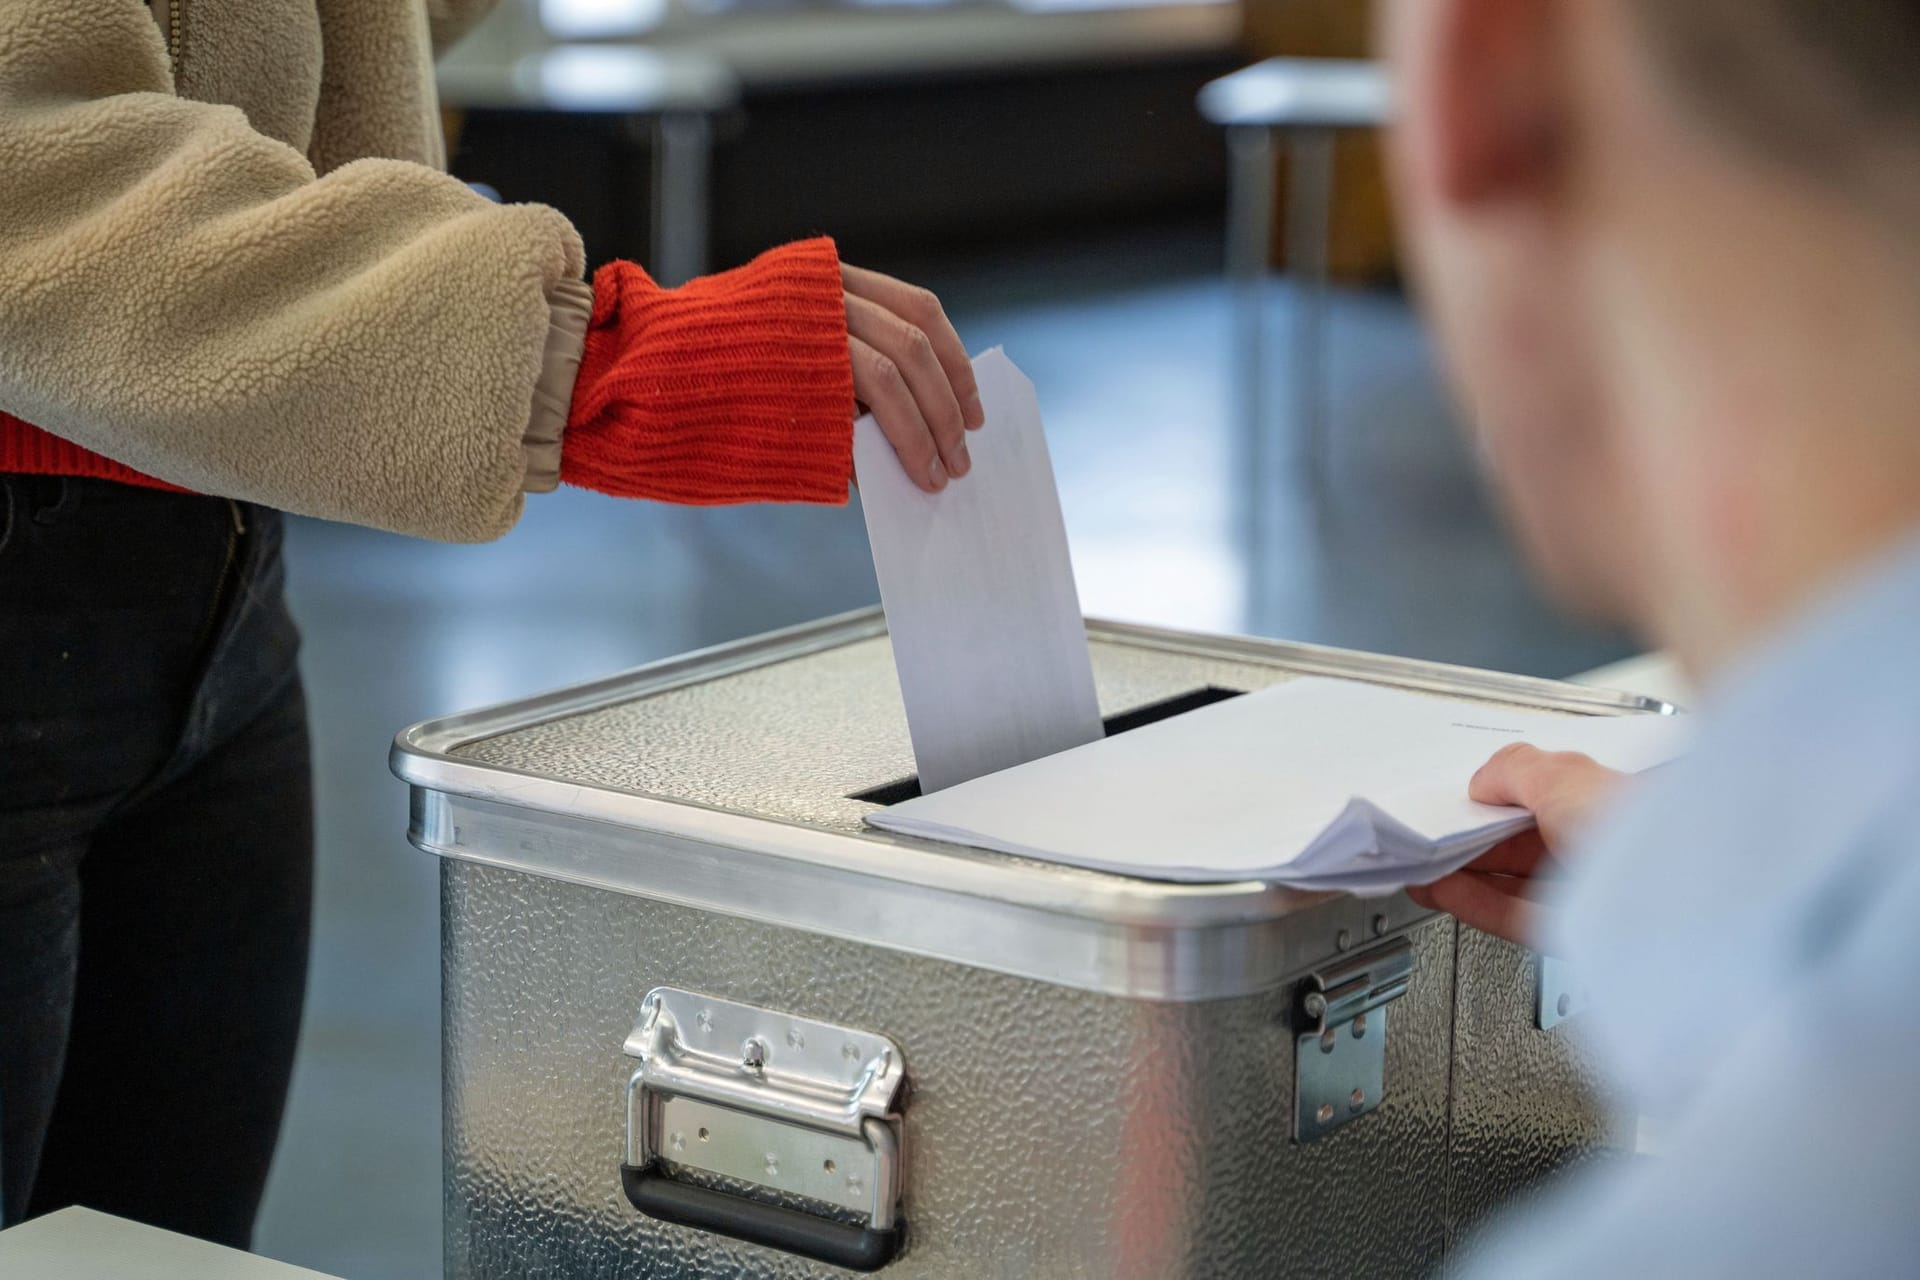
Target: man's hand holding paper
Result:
[[1498, 892]]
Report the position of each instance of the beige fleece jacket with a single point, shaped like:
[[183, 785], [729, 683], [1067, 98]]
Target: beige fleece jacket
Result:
[[229, 259]]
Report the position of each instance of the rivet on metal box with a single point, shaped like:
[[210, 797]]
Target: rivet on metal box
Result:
[[699, 1020]]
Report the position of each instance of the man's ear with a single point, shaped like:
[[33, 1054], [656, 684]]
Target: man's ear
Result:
[[1495, 82]]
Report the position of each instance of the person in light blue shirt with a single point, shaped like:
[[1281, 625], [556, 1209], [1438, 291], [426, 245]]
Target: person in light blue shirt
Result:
[[1672, 250]]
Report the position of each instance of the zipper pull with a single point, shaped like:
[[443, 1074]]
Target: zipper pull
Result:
[[239, 520]]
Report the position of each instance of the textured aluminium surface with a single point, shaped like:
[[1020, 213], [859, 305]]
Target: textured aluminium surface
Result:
[[1526, 1102], [1049, 1132]]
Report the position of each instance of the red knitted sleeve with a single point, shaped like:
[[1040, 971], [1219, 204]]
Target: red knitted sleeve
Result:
[[735, 387]]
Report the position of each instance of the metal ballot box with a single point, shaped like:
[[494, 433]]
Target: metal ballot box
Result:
[[700, 1022]]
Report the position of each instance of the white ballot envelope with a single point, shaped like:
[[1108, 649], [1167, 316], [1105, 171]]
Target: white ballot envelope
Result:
[[1316, 783], [988, 639]]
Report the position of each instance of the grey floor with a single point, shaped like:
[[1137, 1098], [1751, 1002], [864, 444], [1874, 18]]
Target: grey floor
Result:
[[1400, 555]]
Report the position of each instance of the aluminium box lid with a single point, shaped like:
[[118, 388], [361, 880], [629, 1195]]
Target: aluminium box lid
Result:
[[730, 780]]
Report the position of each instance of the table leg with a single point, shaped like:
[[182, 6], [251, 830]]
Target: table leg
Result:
[[1309, 204], [1249, 246], [682, 152]]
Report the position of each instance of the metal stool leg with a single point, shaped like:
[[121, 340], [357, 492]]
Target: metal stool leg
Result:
[[682, 149], [1309, 204], [1249, 245]]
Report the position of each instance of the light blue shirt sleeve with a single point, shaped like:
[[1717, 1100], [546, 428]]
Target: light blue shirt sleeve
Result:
[[1801, 1157], [1748, 921]]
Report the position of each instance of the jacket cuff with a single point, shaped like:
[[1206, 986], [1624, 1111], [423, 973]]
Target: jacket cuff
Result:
[[572, 305]]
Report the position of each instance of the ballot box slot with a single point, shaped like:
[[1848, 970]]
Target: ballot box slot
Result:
[[908, 788]]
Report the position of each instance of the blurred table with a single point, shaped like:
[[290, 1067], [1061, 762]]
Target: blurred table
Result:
[[790, 44], [668, 100], [80, 1244]]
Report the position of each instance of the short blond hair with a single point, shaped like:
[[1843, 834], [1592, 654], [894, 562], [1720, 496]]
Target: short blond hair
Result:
[[1831, 86]]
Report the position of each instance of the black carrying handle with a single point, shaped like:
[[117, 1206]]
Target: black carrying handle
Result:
[[721, 1212]]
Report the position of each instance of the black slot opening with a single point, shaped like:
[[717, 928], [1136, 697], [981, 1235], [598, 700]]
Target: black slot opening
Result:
[[907, 788]]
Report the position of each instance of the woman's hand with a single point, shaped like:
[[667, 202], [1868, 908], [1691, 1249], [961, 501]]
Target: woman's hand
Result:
[[1496, 893], [911, 370]]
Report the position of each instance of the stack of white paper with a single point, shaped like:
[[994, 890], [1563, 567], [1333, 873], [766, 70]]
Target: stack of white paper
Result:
[[1320, 784]]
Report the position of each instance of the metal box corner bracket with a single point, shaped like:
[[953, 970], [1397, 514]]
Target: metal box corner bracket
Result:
[[804, 1110], [1560, 993], [1340, 1049]]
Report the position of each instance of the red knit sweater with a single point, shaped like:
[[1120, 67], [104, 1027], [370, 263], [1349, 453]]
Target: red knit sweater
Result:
[[733, 388]]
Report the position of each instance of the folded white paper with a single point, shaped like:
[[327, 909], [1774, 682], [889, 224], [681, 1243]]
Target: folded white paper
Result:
[[988, 640], [1317, 783]]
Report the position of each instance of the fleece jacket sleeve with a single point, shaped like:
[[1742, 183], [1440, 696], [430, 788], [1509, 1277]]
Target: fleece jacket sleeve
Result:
[[184, 295]]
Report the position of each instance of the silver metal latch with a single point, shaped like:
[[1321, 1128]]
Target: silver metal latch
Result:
[[1340, 1045], [797, 1107], [1561, 993]]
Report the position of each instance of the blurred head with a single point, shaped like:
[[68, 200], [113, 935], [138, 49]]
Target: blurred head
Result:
[[1672, 251]]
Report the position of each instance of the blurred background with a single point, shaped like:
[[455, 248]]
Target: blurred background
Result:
[[1245, 417]]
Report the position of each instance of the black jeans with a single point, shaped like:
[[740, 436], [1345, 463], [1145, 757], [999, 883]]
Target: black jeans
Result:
[[156, 860]]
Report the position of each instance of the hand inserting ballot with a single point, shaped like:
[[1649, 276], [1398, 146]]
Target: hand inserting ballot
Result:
[[911, 370], [1497, 893]]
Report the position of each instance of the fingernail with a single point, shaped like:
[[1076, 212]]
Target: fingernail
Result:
[[962, 460], [938, 474], [976, 412]]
